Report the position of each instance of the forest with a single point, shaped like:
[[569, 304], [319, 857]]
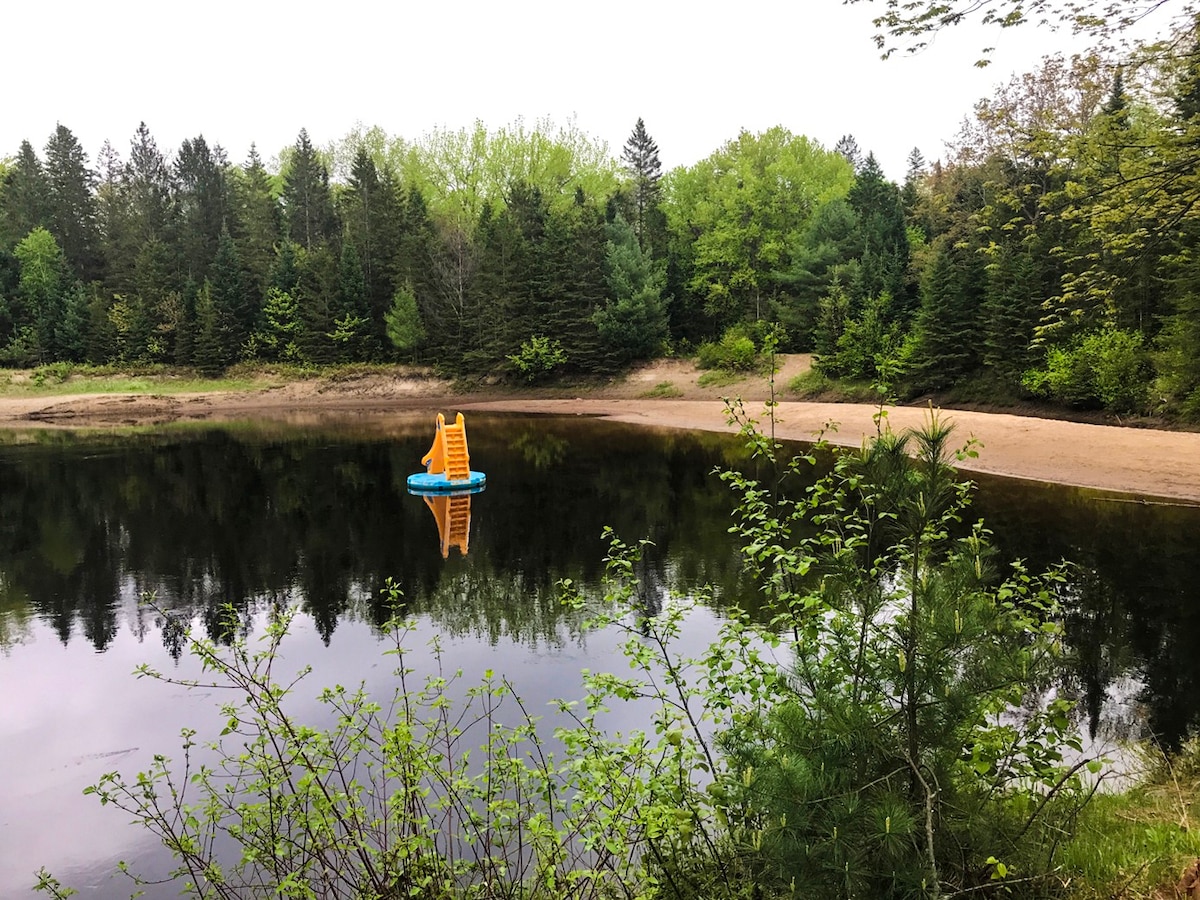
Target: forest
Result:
[[1049, 255]]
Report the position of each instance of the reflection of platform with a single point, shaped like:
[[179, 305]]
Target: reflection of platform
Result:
[[438, 483], [452, 512]]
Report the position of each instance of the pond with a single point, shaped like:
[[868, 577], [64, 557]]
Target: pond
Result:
[[259, 515]]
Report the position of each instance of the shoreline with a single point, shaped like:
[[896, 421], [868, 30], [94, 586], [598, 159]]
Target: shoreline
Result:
[[1141, 462]]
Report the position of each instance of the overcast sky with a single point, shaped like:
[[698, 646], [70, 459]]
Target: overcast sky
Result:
[[239, 71]]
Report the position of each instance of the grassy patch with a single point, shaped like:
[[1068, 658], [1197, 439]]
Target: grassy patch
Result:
[[64, 378], [664, 390], [1133, 844], [719, 378], [814, 385]]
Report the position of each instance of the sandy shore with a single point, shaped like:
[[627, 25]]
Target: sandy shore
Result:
[[1153, 463]]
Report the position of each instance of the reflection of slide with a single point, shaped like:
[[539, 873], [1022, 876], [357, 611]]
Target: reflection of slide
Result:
[[448, 462], [453, 516]]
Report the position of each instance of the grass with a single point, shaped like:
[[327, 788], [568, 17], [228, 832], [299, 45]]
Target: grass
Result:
[[719, 378], [814, 385], [57, 379], [1136, 843], [664, 390]]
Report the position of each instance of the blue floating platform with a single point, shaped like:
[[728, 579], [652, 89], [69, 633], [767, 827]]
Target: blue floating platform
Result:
[[425, 483]]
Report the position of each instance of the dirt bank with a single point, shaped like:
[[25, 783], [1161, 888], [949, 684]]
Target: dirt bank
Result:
[[671, 394]]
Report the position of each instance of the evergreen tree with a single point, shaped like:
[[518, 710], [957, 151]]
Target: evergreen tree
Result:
[[352, 332], [405, 330], [360, 206], [202, 202], [574, 254], [100, 345], [882, 238], [285, 272], [210, 353], [114, 219], [910, 193], [316, 293], [847, 146], [255, 221], [71, 204], [1011, 311], [148, 181], [24, 201], [72, 329], [633, 320], [233, 311], [640, 157], [307, 201], [949, 328]]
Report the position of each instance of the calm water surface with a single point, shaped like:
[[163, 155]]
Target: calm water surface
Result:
[[260, 515]]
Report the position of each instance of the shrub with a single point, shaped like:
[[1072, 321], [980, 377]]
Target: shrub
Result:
[[1108, 369], [734, 352], [892, 760], [538, 357]]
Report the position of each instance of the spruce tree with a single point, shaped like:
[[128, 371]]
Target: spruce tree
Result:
[[847, 146], [255, 221], [24, 201], [202, 201], [949, 325], [233, 312], [352, 329], [642, 163], [882, 238], [71, 204], [307, 201]]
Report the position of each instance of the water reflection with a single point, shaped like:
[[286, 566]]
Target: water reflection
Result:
[[248, 516]]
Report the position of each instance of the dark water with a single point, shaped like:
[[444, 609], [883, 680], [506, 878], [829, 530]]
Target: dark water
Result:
[[261, 515]]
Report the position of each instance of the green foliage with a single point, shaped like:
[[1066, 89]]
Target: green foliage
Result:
[[538, 357], [735, 352], [403, 320], [1103, 368], [277, 339], [865, 342], [915, 736], [744, 209], [633, 320]]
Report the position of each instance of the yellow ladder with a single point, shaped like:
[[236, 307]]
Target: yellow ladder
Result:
[[449, 452]]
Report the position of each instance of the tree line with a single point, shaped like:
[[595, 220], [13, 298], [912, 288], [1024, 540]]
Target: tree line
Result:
[[1050, 254]]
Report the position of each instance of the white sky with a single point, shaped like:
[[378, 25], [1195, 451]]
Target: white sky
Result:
[[238, 71]]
